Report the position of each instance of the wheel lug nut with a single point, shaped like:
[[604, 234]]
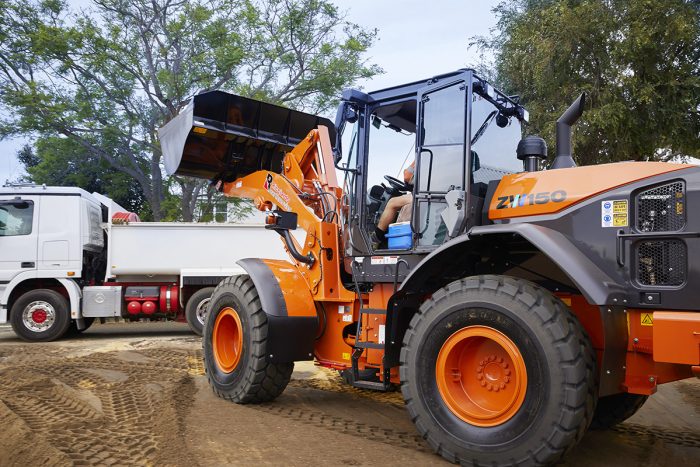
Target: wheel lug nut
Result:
[[483, 383], [490, 387], [503, 385], [500, 359], [506, 379], [479, 377], [507, 372]]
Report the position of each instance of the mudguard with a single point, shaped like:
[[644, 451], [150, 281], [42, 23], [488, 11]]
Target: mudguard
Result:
[[291, 312], [594, 284]]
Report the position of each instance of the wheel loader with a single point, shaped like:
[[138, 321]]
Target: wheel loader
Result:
[[516, 299]]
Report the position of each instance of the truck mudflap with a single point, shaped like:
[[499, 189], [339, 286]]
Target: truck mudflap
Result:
[[222, 136], [291, 312]]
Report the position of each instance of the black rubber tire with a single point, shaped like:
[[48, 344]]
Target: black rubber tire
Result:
[[73, 328], [191, 309], [559, 359], [615, 409], [58, 328], [255, 379]]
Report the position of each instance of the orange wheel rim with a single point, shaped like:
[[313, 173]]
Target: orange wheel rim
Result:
[[481, 376], [227, 339]]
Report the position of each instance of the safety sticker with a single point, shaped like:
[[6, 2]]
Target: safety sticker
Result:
[[382, 334], [347, 318], [343, 309], [647, 319], [346, 355], [614, 213]]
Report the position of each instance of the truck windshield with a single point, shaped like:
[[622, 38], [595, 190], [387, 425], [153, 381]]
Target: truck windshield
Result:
[[494, 146]]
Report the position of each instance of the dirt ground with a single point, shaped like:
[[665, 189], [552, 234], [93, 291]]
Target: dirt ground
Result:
[[135, 394]]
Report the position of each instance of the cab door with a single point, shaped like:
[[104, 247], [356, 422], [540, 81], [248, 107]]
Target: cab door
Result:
[[19, 225], [441, 159]]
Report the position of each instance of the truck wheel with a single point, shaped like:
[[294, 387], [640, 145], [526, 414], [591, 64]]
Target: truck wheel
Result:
[[196, 309], [497, 371], [40, 315], [235, 346], [615, 409]]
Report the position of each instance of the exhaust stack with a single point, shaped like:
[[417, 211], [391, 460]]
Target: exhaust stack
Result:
[[564, 159]]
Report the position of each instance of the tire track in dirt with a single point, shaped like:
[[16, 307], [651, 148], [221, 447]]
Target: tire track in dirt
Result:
[[100, 409]]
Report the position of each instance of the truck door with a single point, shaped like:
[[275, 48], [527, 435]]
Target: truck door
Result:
[[440, 166], [19, 222]]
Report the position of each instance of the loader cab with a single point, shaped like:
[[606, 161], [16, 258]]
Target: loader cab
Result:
[[460, 135]]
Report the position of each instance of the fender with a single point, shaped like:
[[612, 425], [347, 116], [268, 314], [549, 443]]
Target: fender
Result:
[[594, 284], [74, 295], [291, 312]]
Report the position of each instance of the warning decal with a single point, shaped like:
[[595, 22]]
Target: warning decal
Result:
[[647, 319], [614, 213]]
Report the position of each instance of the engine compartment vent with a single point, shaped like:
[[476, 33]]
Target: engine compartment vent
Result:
[[661, 262], [662, 208]]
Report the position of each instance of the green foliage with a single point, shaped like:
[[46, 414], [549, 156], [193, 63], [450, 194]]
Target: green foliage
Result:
[[62, 162], [108, 77], [639, 61]]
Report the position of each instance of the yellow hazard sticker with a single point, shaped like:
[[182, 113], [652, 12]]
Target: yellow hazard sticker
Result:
[[614, 213], [346, 355], [647, 319]]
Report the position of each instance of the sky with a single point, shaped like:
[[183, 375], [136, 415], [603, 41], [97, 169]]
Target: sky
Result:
[[416, 40]]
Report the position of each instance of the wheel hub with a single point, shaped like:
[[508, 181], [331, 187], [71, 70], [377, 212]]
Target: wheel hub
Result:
[[481, 376], [38, 316], [227, 340]]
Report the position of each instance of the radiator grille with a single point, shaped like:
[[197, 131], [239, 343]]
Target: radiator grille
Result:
[[661, 209], [661, 262]]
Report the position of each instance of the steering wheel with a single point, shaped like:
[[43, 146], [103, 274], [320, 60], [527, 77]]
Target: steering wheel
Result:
[[397, 184]]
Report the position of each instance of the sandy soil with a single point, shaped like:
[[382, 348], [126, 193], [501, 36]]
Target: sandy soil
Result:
[[135, 394]]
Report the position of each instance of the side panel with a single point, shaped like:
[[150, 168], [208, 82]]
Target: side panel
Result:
[[167, 248], [291, 312], [549, 192], [60, 245]]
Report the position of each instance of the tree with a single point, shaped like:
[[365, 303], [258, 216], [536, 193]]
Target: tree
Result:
[[61, 161], [639, 61], [108, 77]]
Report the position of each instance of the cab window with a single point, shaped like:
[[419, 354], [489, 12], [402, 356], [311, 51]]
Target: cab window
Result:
[[16, 218]]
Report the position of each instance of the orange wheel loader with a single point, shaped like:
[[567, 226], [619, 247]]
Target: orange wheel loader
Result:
[[515, 301]]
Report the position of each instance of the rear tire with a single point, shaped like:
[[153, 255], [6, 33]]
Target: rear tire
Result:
[[40, 315], [615, 409], [196, 309], [235, 346], [497, 371]]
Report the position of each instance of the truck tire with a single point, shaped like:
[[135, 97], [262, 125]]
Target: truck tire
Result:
[[615, 409], [496, 370], [235, 346], [40, 315], [196, 309]]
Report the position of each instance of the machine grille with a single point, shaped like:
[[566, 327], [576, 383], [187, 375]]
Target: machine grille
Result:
[[661, 262], [661, 209]]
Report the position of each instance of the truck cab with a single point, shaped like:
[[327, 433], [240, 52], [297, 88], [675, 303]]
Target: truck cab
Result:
[[51, 239]]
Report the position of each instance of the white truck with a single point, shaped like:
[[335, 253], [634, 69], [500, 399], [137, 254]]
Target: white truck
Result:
[[65, 260]]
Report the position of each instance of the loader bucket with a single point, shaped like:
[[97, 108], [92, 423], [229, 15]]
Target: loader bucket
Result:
[[222, 136]]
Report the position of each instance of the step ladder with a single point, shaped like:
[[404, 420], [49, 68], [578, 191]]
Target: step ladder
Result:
[[359, 349]]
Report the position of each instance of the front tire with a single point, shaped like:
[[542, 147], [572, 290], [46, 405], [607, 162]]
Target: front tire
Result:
[[497, 371], [196, 309], [235, 346], [40, 315]]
